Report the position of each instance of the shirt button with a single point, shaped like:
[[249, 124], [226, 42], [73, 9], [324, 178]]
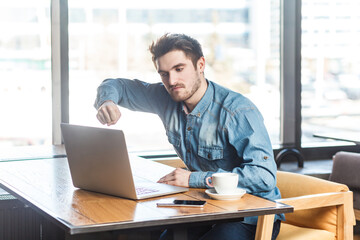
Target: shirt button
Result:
[[198, 114], [189, 128], [209, 155], [188, 150]]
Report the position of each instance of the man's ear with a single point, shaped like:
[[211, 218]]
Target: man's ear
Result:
[[201, 64]]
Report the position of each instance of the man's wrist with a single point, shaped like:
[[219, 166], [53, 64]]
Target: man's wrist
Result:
[[106, 101]]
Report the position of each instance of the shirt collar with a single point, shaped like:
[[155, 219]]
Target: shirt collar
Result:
[[204, 102]]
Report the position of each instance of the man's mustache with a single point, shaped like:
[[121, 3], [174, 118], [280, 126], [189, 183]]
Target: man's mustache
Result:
[[176, 86]]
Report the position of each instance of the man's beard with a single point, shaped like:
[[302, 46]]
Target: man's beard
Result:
[[186, 95]]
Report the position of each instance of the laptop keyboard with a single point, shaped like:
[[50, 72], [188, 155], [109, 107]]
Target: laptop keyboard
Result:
[[144, 190]]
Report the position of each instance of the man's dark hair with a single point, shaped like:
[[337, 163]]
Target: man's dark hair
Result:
[[169, 42]]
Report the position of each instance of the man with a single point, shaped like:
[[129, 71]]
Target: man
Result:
[[212, 129]]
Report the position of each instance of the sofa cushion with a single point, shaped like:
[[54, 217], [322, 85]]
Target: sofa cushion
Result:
[[356, 195], [291, 232], [346, 168]]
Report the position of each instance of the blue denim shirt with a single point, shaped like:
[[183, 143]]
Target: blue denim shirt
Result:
[[224, 133]]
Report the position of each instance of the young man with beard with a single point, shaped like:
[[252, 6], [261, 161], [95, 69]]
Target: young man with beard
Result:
[[212, 128]]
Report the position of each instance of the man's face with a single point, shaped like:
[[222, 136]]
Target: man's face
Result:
[[179, 75]]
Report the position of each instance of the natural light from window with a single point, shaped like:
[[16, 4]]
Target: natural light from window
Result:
[[330, 69], [109, 39], [25, 73]]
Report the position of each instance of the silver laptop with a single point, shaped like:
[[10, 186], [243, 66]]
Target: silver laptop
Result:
[[99, 161]]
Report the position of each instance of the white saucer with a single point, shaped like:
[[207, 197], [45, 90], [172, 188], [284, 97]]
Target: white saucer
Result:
[[234, 196]]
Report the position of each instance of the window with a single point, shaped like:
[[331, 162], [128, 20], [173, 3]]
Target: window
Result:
[[330, 68], [241, 40], [108, 40], [25, 88]]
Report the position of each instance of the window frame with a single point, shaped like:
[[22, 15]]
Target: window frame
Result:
[[59, 67]]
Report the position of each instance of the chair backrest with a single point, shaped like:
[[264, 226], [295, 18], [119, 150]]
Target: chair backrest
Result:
[[294, 185]]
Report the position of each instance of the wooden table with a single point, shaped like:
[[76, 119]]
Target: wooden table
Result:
[[46, 186], [31, 152]]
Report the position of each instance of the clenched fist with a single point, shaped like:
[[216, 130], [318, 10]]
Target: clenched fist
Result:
[[108, 113]]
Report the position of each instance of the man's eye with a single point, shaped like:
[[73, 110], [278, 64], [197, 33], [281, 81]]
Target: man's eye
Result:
[[179, 69], [163, 74]]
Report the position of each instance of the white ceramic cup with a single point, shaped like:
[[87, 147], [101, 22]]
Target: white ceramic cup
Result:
[[224, 183]]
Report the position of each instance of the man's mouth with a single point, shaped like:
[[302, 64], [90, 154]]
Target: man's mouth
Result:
[[176, 87]]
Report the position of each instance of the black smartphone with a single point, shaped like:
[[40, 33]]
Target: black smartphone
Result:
[[182, 203]]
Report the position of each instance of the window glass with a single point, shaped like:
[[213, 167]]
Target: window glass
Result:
[[240, 41], [25, 75], [330, 68]]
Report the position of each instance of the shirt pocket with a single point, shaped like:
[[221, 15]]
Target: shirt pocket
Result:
[[211, 153]]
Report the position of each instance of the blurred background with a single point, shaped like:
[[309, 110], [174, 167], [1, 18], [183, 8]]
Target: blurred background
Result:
[[240, 40]]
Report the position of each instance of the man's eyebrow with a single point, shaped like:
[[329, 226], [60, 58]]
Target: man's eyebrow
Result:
[[175, 66]]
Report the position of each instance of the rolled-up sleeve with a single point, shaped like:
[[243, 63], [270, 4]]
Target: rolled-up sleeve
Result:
[[198, 179], [257, 172], [135, 95]]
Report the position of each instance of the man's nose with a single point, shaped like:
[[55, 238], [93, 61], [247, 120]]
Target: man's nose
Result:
[[172, 79]]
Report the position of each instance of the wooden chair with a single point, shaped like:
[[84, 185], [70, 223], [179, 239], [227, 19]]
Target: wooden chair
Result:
[[346, 169], [322, 209]]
